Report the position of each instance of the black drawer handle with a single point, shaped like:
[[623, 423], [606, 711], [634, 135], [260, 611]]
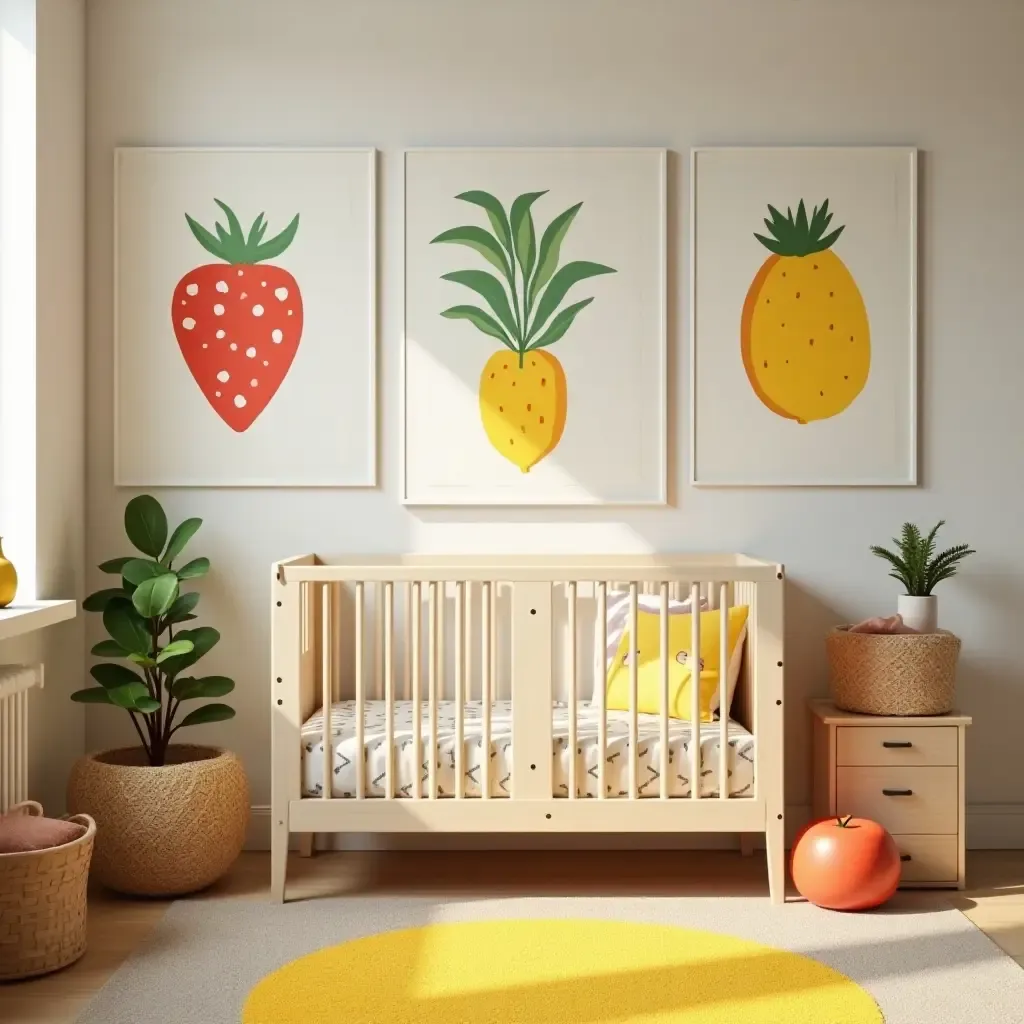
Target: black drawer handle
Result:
[[896, 744], [904, 857], [897, 792]]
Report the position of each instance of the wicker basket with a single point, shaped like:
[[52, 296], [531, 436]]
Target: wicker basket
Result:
[[892, 673], [42, 903]]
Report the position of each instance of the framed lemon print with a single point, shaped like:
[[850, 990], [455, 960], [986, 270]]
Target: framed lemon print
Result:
[[804, 316], [535, 337]]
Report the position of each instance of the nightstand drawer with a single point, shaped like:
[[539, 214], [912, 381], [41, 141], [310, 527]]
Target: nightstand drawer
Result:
[[896, 745], [903, 800], [932, 858]]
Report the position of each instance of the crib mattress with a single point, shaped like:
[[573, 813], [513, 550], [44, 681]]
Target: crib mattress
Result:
[[740, 759]]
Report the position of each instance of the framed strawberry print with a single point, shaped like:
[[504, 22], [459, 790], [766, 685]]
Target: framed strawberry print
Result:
[[804, 316], [245, 317], [535, 334]]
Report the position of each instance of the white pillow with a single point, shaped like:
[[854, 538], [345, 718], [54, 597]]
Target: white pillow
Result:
[[618, 622]]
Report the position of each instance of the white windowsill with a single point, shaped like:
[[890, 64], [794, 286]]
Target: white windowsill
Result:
[[28, 616]]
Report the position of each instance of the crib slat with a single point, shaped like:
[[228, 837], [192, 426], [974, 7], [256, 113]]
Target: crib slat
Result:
[[326, 669], [389, 692], [602, 674], [723, 693], [486, 640], [572, 690], [360, 751], [407, 646], [416, 657], [442, 667], [634, 670], [467, 637], [378, 648], [460, 711], [432, 652], [663, 769], [695, 681]]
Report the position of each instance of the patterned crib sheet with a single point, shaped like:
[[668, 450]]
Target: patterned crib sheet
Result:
[[740, 760]]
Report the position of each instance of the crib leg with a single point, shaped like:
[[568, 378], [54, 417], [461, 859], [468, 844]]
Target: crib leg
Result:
[[278, 860], [747, 843], [775, 844], [307, 842]]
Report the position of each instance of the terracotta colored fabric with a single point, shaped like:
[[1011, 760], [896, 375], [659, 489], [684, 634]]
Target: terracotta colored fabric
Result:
[[20, 833], [892, 624]]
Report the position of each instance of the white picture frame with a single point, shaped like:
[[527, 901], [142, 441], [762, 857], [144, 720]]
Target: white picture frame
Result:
[[737, 440], [319, 427], [445, 414]]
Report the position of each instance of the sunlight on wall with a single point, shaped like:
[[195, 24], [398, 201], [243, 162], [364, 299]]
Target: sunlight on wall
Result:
[[18, 289]]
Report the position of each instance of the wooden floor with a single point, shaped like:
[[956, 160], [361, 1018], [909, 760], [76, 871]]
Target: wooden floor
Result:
[[994, 899]]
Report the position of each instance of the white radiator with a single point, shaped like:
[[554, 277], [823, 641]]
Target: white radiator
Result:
[[15, 682]]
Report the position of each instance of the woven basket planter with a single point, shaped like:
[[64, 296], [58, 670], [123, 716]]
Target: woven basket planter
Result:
[[892, 674], [42, 903], [162, 831]]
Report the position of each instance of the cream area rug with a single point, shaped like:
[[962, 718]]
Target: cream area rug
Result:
[[557, 960]]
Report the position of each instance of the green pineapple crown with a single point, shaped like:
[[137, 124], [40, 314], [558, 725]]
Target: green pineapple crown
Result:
[[796, 236]]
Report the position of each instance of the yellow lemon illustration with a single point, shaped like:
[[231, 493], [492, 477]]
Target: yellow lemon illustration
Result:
[[805, 337]]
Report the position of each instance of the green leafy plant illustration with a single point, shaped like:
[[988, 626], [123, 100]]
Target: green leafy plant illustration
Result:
[[145, 618], [523, 303]]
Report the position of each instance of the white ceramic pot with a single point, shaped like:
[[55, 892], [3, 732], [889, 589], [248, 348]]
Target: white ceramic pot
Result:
[[920, 613]]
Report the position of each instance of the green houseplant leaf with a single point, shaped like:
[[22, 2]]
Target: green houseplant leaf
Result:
[[146, 524], [181, 610], [114, 565], [92, 695], [189, 688], [127, 627], [203, 639], [175, 649], [99, 600], [109, 676], [206, 714], [138, 570], [156, 595], [126, 696], [183, 533], [915, 564], [191, 570], [109, 649]]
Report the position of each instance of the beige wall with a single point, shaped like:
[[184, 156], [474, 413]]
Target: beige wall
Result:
[[57, 727], [945, 76]]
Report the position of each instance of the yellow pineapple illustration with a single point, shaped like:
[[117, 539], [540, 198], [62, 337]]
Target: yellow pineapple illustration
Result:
[[523, 393], [804, 331]]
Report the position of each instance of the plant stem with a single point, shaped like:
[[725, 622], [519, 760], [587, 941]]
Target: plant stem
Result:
[[515, 301], [142, 739]]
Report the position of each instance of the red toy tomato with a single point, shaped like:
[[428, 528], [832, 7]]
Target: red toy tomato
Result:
[[845, 863], [238, 323]]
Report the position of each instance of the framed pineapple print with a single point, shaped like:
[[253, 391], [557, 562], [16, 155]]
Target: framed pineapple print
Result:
[[535, 335], [804, 316], [245, 339]]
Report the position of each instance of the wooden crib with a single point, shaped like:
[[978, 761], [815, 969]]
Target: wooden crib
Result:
[[531, 630]]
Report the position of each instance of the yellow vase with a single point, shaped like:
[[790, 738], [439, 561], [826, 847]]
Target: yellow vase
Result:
[[8, 579]]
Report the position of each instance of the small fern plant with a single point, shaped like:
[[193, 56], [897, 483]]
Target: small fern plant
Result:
[[915, 564]]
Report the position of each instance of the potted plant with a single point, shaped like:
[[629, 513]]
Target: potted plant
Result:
[[920, 570], [171, 817]]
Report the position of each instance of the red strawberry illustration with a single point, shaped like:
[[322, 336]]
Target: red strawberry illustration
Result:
[[238, 323]]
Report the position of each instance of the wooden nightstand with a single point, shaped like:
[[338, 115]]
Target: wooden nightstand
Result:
[[905, 773]]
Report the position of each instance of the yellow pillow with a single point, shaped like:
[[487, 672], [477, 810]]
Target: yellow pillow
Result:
[[679, 672]]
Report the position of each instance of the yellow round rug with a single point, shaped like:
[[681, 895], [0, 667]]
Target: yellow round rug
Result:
[[564, 971]]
